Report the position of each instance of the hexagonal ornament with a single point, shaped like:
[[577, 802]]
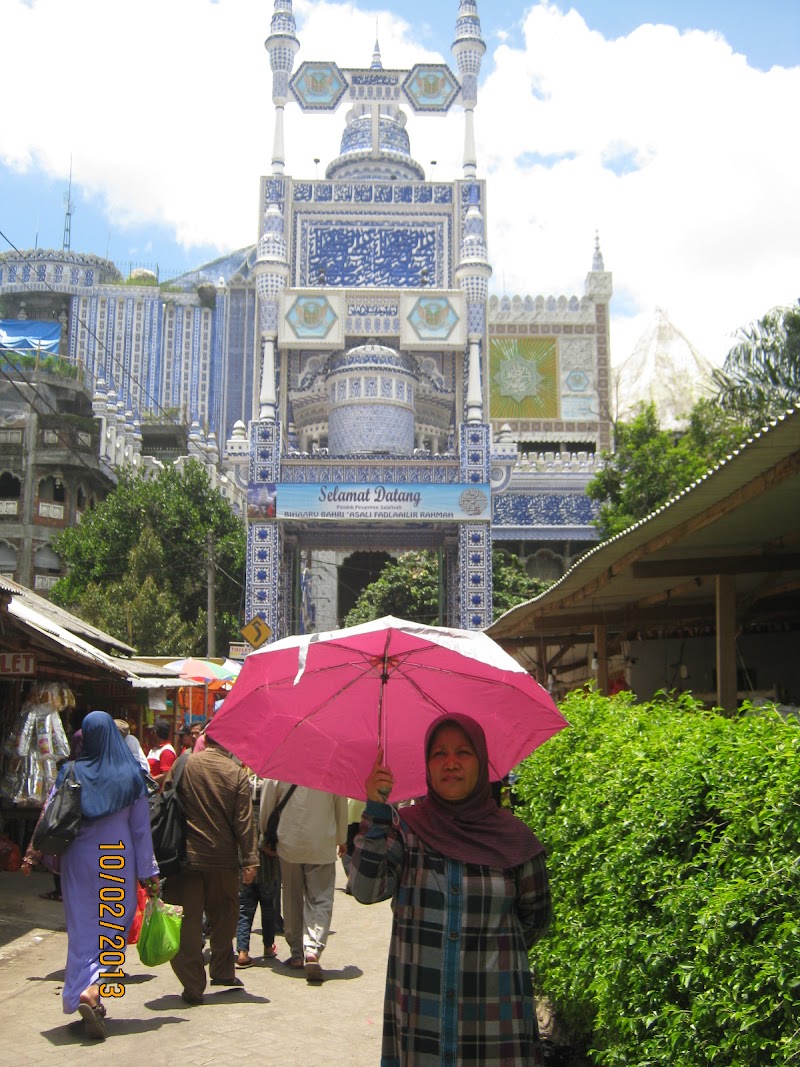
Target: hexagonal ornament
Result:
[[311, 317], [577, 381], [433, 318], [431, 87], [318, 86]]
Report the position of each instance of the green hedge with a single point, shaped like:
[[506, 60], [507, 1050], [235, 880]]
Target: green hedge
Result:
[[672, 834]]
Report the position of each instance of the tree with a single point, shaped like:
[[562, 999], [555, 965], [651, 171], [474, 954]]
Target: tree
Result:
[[649, 465], [760, 378], [409, 589], [137, 566]]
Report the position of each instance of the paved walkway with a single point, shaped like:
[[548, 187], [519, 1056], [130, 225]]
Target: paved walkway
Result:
[[280, 1020]]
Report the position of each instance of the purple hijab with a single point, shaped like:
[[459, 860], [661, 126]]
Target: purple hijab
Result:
[[475, 829], [110, 777]]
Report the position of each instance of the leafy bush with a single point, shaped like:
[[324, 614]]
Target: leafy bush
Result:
[[16, 361], [672, 835]]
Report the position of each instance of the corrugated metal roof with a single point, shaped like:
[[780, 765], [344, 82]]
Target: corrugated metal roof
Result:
[[149, 682], [28, 616], [45, 609], [746, 509], [64, 630]]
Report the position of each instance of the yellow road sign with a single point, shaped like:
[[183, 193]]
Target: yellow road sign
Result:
[[256, 632]]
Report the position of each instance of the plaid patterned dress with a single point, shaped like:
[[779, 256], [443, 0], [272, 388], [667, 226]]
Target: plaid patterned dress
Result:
[[458, 984]]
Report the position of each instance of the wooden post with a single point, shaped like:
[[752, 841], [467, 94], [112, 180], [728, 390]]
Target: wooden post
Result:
[[601, 648], [726, 641]]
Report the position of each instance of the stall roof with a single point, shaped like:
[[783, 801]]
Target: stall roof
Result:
[[52, 614], [75, 647], [659, 576], [68, 635]]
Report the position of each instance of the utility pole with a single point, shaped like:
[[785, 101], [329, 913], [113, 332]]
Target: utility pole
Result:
[[28, 503], [211, 606]]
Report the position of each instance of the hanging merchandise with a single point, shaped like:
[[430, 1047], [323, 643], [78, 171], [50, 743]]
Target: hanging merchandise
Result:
[[35, 745]]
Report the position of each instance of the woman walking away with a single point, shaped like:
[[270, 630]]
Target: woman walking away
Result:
[[470, 895], [99, 870]]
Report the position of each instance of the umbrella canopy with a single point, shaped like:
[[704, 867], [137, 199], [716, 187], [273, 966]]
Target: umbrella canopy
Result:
[[314, 709], [205, 670]]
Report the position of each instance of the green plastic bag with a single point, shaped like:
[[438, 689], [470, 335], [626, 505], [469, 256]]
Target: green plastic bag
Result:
[[160, 936]]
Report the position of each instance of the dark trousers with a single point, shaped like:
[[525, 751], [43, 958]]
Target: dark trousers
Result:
[[250, 896], [215, 892]]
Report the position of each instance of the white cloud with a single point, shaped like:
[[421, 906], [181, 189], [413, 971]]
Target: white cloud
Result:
[[698, 216], [680, 154]]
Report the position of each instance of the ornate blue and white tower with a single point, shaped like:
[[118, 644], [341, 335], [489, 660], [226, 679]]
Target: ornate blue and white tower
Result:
[[385, 369], [469, 48], [282, 45], [267, 579]]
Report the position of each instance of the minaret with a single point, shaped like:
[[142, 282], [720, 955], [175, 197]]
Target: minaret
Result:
[[597, 258], [599, 289], [271, 273], [598, 281], [473, 274], [468, 49], [282, 45]]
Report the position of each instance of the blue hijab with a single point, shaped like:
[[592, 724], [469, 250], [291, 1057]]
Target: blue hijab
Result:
[[110, 777]]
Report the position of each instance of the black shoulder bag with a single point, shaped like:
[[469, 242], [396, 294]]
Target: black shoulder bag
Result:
[[60, 821], [270, 838], [168, 823]]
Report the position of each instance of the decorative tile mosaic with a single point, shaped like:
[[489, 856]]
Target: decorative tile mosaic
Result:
[[476, 453], [264, 544], [543, 509], [264, 452], [382, 254], [476, 577], [390, 471]]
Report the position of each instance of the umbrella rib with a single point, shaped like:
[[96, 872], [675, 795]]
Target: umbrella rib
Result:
[[449, 671], [319, 707], [425, 696]]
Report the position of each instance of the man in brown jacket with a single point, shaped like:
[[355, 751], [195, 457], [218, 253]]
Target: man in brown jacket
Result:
[[214, 791]]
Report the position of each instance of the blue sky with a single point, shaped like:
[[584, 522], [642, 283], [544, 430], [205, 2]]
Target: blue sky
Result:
[[673, 144]]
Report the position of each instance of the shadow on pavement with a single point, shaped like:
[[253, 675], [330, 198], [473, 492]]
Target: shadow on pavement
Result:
[[173, 1001], [22, 907], [53, 976], [74, 1034], [344, 974]]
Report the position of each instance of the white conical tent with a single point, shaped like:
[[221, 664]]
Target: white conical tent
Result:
[[664, 368]]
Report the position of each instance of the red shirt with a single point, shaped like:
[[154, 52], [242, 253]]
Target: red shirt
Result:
[[161, 759]]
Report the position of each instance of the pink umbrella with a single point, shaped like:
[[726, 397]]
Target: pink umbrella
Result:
[[314, 709]]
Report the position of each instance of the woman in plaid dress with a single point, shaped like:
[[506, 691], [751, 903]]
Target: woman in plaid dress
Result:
[[470, 895]]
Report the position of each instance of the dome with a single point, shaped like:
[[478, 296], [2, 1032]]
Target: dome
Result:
[[371, 393], [390, 158]]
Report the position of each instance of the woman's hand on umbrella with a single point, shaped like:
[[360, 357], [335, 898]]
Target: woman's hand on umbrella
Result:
[[379, 781]]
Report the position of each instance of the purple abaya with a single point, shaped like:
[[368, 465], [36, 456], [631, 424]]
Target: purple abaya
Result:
[[81, 883]]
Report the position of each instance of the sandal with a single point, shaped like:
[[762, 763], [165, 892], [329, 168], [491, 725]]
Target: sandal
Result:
[[94, 1020], [297, 962], [243, 960], [52, 895], [312, 968], [271, 952]]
